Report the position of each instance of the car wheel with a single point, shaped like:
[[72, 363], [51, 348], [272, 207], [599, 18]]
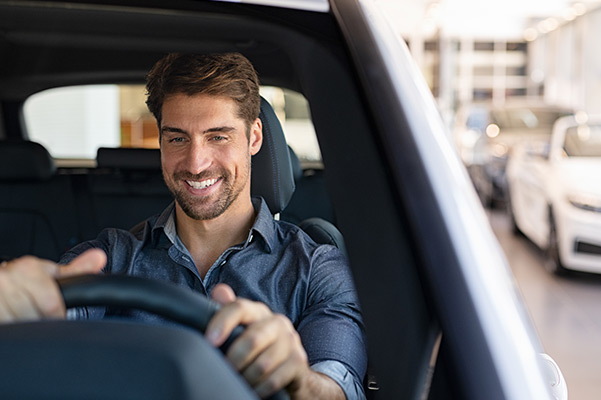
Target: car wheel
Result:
[[553, 263]]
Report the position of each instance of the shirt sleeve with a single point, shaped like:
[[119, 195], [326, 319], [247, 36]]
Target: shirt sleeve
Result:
[[80, 313], [331, 327], [353, 390]]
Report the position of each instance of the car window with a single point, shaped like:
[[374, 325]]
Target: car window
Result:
[[583, 141], [73, 122]]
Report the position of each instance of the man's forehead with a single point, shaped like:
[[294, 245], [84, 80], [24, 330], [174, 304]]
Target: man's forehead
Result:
[[180, 108]]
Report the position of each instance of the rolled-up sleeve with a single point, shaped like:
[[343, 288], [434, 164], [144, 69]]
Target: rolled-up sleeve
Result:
[[332, 328], [352, 388]]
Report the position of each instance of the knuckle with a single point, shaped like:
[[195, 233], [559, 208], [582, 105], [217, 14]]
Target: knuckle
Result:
[[52, 306], [251, 339], [284, 322], [261, 367]]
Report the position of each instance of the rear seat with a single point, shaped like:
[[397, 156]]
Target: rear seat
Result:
[[310, 198], [125, 188], [36, 205]]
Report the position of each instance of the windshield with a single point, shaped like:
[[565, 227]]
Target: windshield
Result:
[[583, 141]]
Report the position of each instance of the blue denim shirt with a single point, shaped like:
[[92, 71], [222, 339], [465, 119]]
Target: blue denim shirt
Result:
[[278, 265]]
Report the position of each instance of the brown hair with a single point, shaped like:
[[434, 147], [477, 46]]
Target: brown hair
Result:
[[229, 74]]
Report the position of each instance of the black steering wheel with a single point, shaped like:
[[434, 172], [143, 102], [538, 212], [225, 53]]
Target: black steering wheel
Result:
[[167, 300], [120, 359]]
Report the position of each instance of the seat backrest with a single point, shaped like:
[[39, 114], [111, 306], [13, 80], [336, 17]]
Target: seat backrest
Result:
[[271, 173], [36, 205], [279, 165], [310, 197], [125, 188]]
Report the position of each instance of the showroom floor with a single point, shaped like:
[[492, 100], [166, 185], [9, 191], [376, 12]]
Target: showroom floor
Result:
[[566, 311]]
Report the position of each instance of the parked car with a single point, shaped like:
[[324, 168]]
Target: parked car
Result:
[[485, 134], [443, 318], [555, 193]]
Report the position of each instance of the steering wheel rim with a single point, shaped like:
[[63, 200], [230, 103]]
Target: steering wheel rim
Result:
[[161, 298]]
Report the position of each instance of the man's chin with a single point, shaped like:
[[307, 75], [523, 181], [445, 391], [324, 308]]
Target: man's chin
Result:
[[204, 212]]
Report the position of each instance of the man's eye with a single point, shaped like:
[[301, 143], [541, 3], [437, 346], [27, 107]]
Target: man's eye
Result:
[[176, 140], [218, 138]]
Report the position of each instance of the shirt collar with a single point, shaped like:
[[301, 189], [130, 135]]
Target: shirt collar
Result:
[[264, 225]]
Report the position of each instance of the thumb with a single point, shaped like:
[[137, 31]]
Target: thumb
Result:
[[89, 262], [223, 294]]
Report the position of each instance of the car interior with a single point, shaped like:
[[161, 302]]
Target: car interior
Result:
[[380, 202]]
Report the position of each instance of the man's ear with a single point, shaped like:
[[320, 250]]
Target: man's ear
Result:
[[256, 136]]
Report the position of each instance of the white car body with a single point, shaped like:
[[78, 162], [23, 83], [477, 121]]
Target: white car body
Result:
[[565, 189]]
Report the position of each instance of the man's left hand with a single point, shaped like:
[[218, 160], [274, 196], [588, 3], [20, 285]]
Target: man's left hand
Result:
[[269, 353]]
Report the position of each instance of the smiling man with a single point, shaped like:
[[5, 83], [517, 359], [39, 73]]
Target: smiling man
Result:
[[296, 298]]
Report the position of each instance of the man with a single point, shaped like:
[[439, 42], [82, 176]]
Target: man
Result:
[[297, 301]]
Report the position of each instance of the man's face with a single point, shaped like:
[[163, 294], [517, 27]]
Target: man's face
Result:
[[206, 153]]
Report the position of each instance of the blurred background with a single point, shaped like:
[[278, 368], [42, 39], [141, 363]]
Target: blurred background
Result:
[[518, 84]]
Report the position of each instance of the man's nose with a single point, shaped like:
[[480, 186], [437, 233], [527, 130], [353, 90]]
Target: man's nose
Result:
[[198, 158]]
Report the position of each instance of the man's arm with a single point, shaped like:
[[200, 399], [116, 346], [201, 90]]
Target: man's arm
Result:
[[28, 288], [269, 354]]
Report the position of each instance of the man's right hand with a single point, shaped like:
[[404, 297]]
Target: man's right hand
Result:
[[28, 288]]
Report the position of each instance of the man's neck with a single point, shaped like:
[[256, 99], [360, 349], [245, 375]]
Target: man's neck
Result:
[[206, 240]]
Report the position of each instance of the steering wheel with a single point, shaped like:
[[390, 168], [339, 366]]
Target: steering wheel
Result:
[[161, 298], [116, 358], [166, 300]]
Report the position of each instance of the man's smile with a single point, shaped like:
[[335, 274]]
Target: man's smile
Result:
[[202, 184]]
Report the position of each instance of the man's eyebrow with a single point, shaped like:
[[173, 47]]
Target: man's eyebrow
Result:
[[172, 129], [219, 129], [210, 130]]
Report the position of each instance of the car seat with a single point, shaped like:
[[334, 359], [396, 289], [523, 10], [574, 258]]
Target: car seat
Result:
[[125, 188], [272, 177], [310, 198], [36, 204]]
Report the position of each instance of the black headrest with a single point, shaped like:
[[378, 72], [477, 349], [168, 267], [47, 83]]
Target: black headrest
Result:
[[128, 158], [23, 160], [271, 173], [297, 169]]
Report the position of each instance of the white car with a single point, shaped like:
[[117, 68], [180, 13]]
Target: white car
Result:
[[555, 194]]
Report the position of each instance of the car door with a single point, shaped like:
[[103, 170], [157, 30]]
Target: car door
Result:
[[529, 199]]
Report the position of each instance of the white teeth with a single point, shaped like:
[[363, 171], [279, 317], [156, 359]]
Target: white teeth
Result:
[[202, 184]]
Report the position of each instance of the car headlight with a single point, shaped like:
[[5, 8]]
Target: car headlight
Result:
[[585, 201]]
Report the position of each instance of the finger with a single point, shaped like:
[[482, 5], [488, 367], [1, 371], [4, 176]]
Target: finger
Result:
[[29, 289], [279, 378], [283, 351], [256, 339], [13, 303], [240, 312], [89, 262], [223, 294]]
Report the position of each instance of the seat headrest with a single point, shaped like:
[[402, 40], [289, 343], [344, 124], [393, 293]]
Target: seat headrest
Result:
[[24, 160], [297, 169], [128, 158], [271, 173]]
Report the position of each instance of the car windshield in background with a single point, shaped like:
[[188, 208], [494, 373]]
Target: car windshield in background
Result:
[[525, 118], [583, 141]]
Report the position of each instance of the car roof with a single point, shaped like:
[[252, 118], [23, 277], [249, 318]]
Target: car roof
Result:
[[309, 5]]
